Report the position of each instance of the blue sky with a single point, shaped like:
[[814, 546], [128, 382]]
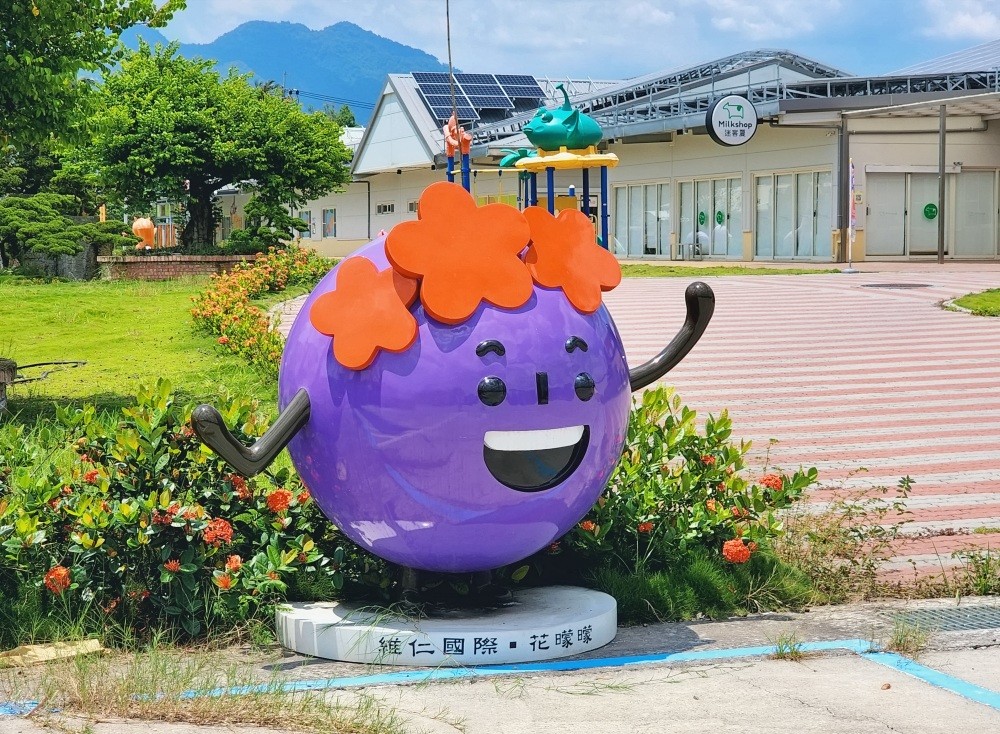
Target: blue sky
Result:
[[621, 38]]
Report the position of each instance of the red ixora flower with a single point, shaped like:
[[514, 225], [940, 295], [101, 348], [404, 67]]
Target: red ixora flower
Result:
[[223, 339], [279, 500], [240, 485], [564, 254], [91, 476], [708, 460], [58, 579], [588, 526], [224, 581], [645, 527], [218, 532], [735, 551], [711, 505], [772, 481], [462, 254], [173, 565], [234, 563]]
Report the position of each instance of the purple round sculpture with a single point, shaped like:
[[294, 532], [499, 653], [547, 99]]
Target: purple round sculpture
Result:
[[446, 433], [410, 461]]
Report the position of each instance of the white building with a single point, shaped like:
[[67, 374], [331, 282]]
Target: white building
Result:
[[784, 195]]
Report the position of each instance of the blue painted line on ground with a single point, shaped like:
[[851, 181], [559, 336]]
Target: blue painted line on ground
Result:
[[18, 709], [861, 647], [936, 678], [441, 674]]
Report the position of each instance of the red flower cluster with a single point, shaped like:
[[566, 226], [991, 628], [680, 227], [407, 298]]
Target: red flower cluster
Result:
[[735, 551], [588, 526], [90, 477], [772, 481], [711, 505], [58, 579], [224, 582], [303, 497], [279, 500], [234, 563], [167, 516], [173, 565], [218, 532], [645, 527], [708, 460], [240, 485]]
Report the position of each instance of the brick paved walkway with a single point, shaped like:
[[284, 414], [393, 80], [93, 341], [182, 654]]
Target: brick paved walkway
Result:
[[844, 377]]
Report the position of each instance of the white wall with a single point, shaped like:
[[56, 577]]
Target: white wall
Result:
[[392, 142]]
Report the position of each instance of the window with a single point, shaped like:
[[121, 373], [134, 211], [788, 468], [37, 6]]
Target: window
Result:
[[794, 215], [329, 222], [642, 219], [385, 208], [411, 208]]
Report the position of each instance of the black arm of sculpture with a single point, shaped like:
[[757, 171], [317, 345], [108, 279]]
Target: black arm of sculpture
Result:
[[248, 461], [700, 301]]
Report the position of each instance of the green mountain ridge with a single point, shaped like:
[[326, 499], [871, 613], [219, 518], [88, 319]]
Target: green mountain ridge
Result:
[[343, 61]]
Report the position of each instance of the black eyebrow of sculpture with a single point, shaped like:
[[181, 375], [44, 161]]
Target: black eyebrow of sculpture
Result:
[[575, 342], [490, 345]]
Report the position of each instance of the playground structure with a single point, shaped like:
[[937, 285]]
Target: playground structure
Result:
[[565, 139]]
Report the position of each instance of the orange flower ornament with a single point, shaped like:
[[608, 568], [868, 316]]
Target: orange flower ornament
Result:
[[564, 254], [368, 311], [462, 254]]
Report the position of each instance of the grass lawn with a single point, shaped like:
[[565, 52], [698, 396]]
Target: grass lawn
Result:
[[683, 271], [986, 303], [128, 332]]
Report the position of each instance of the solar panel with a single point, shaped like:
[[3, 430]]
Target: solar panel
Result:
[[516, 79], [430, 77], [464, 79], [440, 89], [524, 92], [490, 102]]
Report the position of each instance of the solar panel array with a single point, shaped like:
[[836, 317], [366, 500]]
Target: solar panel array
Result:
[[474, 92]]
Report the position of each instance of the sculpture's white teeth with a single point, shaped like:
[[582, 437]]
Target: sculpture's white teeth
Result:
[[551, 438]]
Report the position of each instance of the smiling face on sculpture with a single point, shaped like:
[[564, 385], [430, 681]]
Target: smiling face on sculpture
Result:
[[473, 427]]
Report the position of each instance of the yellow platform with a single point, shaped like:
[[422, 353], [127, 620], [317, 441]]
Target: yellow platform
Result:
[[567, 159]]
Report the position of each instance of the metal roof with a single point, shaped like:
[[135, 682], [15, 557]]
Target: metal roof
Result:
[[985, 57]]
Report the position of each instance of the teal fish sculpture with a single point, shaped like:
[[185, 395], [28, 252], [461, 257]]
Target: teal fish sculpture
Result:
[[562, 127]]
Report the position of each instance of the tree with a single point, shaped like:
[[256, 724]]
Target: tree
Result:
[[344, 116], [46, 43], [43, 223], [170, 127]]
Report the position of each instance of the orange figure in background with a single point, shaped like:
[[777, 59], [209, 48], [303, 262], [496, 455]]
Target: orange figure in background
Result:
[[456, 138], [144, 229]]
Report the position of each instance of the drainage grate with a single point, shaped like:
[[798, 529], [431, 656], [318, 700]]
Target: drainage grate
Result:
[[952, 620], [896, 285]]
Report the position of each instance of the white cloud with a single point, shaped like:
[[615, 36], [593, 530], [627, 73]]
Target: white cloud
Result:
[[766, 20], [962, 19]]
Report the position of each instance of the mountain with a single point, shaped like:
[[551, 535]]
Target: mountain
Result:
[[343, 61]]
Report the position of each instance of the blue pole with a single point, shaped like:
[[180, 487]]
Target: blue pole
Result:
[[533, 198], [550, 183], [604, 207], [586, 191], [451, 169], [466, 168]]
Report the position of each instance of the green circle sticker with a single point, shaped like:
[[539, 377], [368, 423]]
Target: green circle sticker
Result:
[[720, 217], [930, 211], [702, 218]]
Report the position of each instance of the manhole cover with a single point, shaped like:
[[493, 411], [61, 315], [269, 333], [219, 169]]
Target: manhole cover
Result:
[[896, 285], [952, 620]]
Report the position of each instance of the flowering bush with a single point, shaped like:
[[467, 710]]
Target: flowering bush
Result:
[[225, 308], [675, 489], [139, 520]]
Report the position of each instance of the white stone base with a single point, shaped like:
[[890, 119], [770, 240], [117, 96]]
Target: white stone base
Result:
[[541, 624]]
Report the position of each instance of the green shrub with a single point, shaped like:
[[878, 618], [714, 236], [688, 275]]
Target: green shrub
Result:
[[134, 520], [225, 308], [675, 490]]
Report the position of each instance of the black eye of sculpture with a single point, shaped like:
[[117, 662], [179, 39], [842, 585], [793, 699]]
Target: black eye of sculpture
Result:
[[492, 391], [584, 386]]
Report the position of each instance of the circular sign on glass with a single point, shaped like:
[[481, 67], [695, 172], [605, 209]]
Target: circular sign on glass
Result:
[[719, 217], [930, 211], [731, 120]]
